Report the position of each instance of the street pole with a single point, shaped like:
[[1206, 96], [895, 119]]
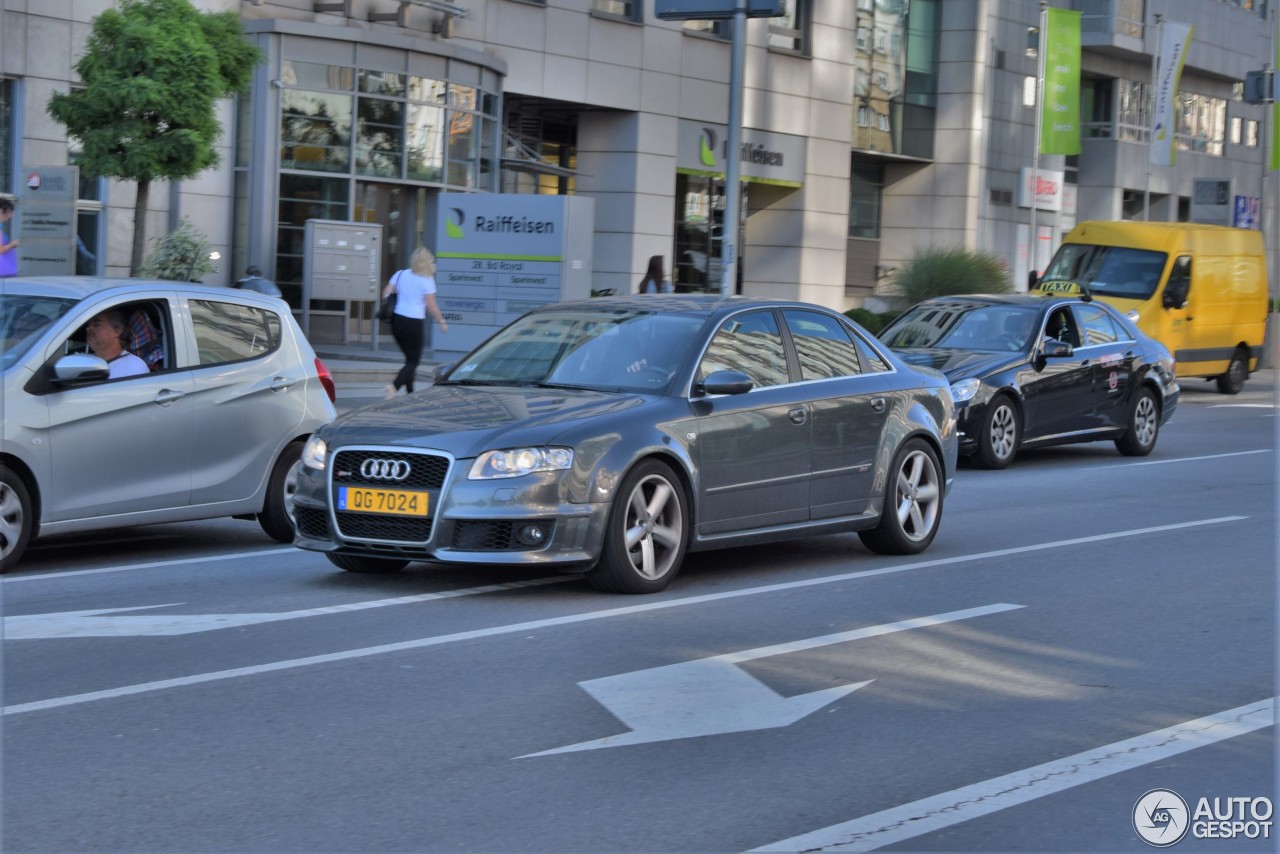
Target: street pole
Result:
[[1033, 243], [1151, 117], [733, 156]]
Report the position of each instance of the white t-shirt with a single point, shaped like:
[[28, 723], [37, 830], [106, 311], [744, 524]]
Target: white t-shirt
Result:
[[412, 290], [126, 365]]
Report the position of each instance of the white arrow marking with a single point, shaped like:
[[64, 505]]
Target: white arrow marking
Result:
[[96, 624], [711, 696]]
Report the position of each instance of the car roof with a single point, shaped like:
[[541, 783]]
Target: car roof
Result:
[[82, 287], [700, 304]]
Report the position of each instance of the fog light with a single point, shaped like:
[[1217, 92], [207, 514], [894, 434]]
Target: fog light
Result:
[[531, 535]]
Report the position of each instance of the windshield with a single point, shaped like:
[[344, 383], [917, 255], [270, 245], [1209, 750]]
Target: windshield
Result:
[[1115, 271], [964, 326], [22, 319], [619, 349]]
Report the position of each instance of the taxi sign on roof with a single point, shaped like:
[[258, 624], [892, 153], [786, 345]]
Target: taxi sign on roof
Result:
[[1057, 286]]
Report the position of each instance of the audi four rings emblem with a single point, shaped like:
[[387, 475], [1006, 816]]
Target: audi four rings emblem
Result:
[[375, 469]]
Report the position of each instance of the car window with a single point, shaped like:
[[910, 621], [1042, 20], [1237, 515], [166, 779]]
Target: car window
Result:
[[751, 343], [823, 345], [1095, 325], [145, 334], [230, 332], [1060, 327], [22, 318]]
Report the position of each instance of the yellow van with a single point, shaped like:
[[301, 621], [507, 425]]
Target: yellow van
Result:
[[1199, 289]]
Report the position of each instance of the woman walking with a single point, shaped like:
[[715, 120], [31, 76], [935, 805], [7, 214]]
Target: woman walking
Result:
[[655, 281], [415, 290]]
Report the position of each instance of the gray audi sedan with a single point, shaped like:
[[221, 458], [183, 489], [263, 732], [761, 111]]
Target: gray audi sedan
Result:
[[610, 436], [134, 401]]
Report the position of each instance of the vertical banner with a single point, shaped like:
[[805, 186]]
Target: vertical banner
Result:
[[1173, 52], [1275, 111], [1060, 110]]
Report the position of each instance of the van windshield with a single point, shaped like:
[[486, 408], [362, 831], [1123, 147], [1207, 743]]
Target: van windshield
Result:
[[1114, 271]]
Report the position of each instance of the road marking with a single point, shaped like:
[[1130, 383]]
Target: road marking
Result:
[[111, 623], [660, 605], [15, 579], [908, 821], [713, 696], [1241, 406], [1183, 459]]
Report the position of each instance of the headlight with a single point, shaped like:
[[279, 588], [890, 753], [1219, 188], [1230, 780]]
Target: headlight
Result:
[[513, 462], [314, 452], [965, 390]]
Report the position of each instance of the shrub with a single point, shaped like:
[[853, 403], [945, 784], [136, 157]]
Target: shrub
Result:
[[943, 271], [182, 255], [872, 321]]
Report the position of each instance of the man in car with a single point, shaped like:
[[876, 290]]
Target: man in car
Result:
[[105, 334]]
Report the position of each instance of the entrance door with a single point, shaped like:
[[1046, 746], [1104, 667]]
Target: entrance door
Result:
[[407, 217]]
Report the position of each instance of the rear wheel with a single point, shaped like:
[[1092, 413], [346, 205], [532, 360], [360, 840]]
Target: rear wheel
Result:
[[912, 503], [276, 517], [1232, 380], [998, 439], [371, 565], [646, 535], [16, 519], [1144, 425]]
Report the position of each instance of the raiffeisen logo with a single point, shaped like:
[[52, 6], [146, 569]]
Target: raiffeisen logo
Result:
[[513, 225], [707, 147], [760, 154], [453, 224]]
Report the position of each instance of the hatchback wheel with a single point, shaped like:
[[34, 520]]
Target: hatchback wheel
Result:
[[15, 519], [1232, 380], [276, 517], [1000, 434], [912, 503], [646, 535], [1143, 424], [370, 565]]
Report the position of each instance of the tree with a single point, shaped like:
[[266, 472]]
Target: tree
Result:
[[153, 71]]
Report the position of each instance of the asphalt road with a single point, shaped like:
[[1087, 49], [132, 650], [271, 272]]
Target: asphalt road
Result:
[[1086, 628]]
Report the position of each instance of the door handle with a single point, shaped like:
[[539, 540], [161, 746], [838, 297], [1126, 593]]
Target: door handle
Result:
[[877, 404], [167, 396], [798, 415], [283, 383]]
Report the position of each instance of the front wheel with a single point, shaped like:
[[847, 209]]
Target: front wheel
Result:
[[1232, 380], [276, 517], [369, 565], [16, 519], [1143, 424], [999, 435], [646, 535], [912, 503]]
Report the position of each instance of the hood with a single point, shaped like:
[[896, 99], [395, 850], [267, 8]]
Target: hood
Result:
[[958, 364], [465, 420]]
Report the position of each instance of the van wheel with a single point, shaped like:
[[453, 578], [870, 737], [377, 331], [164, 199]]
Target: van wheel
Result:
[[1237, 372], [16, 519], [276, 517]]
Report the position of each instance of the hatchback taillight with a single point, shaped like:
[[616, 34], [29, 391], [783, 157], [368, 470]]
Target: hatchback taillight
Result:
[[326, 380]]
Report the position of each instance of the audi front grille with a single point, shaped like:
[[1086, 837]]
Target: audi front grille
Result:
[[380, 468]]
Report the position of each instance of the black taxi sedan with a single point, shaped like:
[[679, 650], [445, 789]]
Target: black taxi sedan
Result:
[[612, 435], [1033, 370]]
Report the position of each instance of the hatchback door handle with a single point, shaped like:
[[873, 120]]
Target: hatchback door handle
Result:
[[877, 404], [283, 384], [166, 396], [798, 415]]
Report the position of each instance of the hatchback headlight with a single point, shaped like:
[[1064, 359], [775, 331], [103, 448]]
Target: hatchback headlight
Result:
[[965, 390], [513, 462], [314, 453]]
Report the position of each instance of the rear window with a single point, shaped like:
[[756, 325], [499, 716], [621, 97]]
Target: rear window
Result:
[[230, 332]]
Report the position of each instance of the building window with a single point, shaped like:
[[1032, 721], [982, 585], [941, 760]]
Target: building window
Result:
[[6, 135], [1251, 133], [790, 31], [720, 28], [866, 187], [629, 9], [1201, 123]]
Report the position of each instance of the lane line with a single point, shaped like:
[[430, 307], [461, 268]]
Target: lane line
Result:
[[1182, 459], [533, 625], [929, 815], [154, 565]]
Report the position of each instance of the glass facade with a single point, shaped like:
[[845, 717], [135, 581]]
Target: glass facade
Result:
[[895, 76]]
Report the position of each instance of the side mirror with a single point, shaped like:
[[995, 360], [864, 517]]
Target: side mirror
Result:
[[1057, 348], [438, 372], [727, 382], [79, 369]]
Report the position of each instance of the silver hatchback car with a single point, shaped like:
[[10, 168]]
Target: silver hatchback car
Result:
[[221, 393]]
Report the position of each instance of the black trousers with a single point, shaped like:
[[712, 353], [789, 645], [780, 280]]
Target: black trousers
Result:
[[408, 334]]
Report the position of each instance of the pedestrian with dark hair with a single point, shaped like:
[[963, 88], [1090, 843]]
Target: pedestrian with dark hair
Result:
[[655, 280], [254, 281], [415, 290], [8, 248]]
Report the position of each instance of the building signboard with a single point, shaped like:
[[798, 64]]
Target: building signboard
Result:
[[46, 221], [1044, 185], [766, 158]]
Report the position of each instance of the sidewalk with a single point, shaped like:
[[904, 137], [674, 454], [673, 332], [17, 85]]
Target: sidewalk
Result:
[[360, 372]]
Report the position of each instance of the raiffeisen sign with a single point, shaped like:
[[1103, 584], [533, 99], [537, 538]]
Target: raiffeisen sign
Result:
[[764, 157]]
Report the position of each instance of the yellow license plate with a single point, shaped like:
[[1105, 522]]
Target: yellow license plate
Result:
[[391, 502]]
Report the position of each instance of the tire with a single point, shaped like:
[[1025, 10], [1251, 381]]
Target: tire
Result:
[[16, 519], [646, 535], [276, 517], [367, 565], [1000, 434], [1232, 380], [912, 503], [1143, 425]]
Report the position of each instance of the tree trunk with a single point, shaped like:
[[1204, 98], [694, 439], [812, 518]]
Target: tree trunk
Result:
[[139, 226]]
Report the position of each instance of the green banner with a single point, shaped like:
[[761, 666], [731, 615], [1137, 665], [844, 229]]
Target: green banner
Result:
[[1275, 123], [1060, 107]]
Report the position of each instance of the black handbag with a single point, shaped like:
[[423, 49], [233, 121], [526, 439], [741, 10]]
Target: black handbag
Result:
[[388, 307]]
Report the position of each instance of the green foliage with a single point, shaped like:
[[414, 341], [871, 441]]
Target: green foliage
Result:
[[942, 271], [182, 255], [872, 321]]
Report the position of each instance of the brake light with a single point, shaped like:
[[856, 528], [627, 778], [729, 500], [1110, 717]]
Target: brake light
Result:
[[326, 380]]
